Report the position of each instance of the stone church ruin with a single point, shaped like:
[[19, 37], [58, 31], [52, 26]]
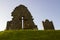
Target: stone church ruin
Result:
[[22, 19]]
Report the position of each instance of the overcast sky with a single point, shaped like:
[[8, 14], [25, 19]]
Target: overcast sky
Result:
[[40, 10]]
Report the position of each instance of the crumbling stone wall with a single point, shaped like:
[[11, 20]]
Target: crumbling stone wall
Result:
[[16, 22], [48, 25]]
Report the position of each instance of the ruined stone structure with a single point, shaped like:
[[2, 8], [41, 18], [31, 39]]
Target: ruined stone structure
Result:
[[22, 19], [48, 25]]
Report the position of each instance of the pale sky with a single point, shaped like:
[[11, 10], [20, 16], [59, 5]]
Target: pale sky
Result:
[[40, 10]]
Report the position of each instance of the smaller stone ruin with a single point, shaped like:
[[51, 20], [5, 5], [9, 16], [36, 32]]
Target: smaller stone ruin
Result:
[[48, 25]]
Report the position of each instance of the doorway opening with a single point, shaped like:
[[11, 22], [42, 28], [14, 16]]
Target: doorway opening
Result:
[[22, 22]]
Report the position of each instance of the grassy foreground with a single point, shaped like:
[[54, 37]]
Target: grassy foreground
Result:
[[30, 35]]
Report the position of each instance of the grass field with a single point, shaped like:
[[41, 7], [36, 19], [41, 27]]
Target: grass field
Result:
[[30, 35]]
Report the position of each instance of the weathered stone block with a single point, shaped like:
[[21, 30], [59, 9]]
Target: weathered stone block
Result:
[[48, 25]]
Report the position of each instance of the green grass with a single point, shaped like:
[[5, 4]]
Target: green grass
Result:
[[30, 35]]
